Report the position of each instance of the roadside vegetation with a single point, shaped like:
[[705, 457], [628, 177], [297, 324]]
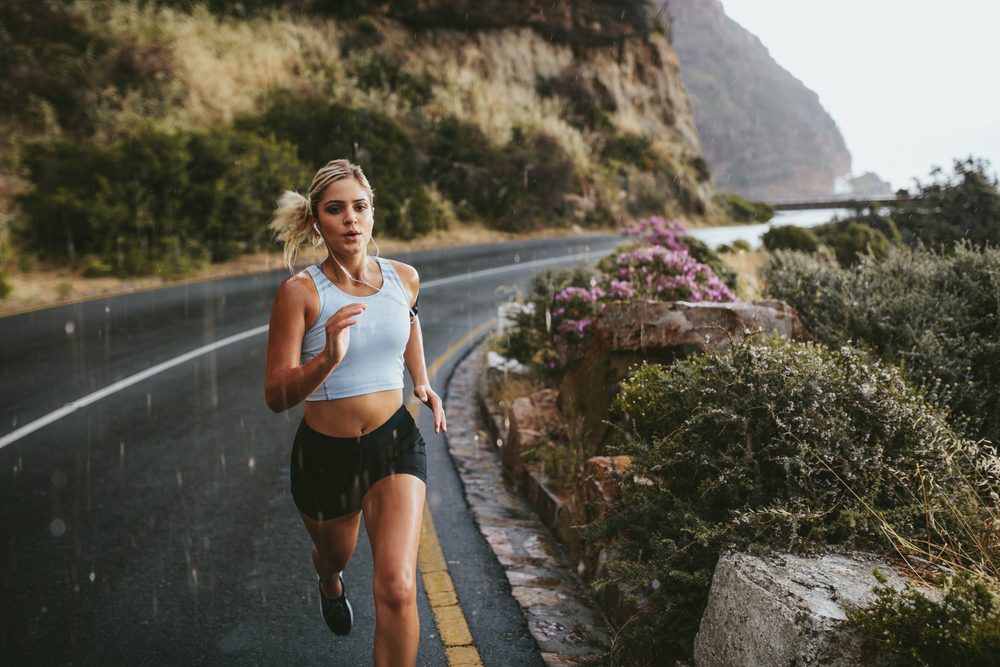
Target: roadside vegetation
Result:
[[880, 434]]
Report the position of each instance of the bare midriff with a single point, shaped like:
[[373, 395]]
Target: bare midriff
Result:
[[353, 416]]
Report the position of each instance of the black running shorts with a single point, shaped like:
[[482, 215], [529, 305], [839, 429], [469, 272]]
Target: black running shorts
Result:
[[330, 475]]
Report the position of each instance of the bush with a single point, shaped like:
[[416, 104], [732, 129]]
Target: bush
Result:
[[322, 132], [5, 286], [962, 206], [235, 178], [851, 240], [52, 63], [935, 314], [741, 210], [517, 187], [961, 629], [154, 201], [777, 445], [382, 72], [790, 237], [585, 107]]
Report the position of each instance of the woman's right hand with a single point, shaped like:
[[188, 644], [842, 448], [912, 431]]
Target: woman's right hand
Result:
[[338, 332]]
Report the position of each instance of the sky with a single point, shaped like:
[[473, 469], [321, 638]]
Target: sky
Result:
[[911, 84]]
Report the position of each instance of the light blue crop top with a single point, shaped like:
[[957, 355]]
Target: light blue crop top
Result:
[[374, 359]]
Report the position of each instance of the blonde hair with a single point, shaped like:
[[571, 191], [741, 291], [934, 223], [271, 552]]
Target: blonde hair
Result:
[[292, 221]]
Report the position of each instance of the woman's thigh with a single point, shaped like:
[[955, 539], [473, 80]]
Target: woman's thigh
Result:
[[334, 538], [393, 508]]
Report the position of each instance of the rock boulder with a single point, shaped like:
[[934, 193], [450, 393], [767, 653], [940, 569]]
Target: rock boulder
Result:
[[786, 610], [625, 334]]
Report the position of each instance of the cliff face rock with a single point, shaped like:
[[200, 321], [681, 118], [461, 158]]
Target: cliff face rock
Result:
[[764, 133], [497, 72]]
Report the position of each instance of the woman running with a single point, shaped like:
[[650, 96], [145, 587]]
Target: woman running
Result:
[[341, 333]]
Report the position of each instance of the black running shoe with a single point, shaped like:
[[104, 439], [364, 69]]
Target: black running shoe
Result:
[[337, 612]]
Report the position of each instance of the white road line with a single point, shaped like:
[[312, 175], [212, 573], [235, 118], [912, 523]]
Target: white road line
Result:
[[73, 406]]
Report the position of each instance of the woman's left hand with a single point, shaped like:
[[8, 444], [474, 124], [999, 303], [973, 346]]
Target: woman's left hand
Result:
[[430, 398]]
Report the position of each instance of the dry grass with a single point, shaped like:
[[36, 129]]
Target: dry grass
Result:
[[749, 267], [222, 66]]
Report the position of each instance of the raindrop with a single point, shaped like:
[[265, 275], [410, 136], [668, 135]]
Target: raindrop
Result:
[[59, 479], [499, 442], [70, 328], [57, 527], [93, 576], [194, 576], [13, 422], [222, 459], [252, 463], [654, 584], [180, 480], [107, 310], [517, 259]]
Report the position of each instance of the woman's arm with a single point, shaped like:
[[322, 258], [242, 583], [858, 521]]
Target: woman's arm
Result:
[[413, 355], [286, 382]]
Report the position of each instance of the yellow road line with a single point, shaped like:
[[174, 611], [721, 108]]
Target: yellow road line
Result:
[[448, 614]]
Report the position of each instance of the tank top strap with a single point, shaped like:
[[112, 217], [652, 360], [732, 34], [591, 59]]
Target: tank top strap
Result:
[[322, 284], [390, 275]]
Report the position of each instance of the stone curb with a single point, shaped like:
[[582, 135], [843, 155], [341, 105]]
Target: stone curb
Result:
[[565, 623]]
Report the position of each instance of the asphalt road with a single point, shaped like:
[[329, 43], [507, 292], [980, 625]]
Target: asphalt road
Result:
[[154, 525]]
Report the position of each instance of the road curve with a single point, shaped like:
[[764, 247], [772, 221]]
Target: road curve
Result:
[[154, 525]]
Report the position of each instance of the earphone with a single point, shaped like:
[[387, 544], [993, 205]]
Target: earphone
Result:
[[412, 309]]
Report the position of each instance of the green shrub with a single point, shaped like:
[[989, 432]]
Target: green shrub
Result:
[[235, 178], [790, 237], [584, 106], [741, 210], [5, 286], [382, 72], [517, 187], [777, 445], [935, 314], [741, 245], [52, 63], [632, 149], [153, 201], [322, 132], [962, 206], [962, 629], [851, 240]]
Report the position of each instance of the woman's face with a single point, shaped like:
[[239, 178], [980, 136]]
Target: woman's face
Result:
[[345, 216]]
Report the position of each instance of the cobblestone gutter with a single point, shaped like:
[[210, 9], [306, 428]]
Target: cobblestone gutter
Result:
[[563, 620]]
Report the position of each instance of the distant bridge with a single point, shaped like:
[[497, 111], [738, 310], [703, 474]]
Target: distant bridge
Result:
[[848, 201]]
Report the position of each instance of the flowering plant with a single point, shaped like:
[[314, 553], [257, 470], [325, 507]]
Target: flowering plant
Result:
[[657, 230], [661, 268], [657, 272], [572, 311]]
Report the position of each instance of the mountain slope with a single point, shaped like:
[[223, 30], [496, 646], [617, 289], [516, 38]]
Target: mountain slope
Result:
[[764, 133]]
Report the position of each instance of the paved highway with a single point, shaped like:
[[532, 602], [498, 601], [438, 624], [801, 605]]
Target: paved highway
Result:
[[145, 516]]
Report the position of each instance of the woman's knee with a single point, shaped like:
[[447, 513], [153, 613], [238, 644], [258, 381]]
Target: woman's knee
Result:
[[395, 589]]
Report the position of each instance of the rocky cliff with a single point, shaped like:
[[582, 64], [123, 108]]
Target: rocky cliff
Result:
[[764, 133]]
